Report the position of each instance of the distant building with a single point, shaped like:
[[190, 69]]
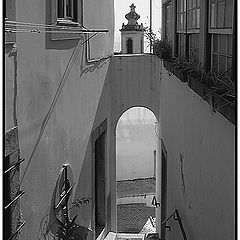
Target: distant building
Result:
[[132, 34]]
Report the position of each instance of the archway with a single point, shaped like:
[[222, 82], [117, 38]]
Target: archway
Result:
[[133, 80], [136, 144]]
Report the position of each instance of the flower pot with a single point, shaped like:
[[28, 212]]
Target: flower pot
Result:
[[198, 87]]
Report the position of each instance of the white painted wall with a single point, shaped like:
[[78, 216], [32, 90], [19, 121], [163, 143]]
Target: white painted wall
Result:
[[136, 142], [67, 136], [92, 93], [136, 37], [200, 183]]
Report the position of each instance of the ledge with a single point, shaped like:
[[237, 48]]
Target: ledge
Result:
[[217, 102]]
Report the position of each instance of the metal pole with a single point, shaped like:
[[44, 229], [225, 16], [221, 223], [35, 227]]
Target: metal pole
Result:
[[150, 26]]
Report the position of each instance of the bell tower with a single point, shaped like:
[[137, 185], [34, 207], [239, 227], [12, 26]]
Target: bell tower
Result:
[[132, 34]]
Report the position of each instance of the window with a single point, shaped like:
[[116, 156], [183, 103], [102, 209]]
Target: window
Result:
[[129, 46], [181, 15], [66, 13], [222, 54], [168, 23], [181, 45], [194, 47], [220, 27], [67, 10], [193, 14], [188, 34], [221, 12]]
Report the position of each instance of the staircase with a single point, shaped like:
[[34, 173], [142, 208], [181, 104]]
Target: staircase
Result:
[[130, 236]]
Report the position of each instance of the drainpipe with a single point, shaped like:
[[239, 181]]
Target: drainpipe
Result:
[[154, 164], [158, 177], [150, 26]]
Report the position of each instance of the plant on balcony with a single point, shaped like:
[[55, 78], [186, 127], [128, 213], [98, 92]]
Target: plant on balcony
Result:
[[162, 50], [221, 88], [68, 229], [221, 85]]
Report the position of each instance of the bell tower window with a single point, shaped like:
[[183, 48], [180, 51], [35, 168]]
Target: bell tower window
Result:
[[129, 46]]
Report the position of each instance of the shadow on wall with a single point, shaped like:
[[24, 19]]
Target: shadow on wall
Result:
[[84, 185]]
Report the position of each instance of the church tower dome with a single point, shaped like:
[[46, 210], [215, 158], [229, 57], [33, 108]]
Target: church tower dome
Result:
[[132, 34]]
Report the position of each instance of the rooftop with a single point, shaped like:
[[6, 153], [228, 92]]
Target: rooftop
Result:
[[136, 187]]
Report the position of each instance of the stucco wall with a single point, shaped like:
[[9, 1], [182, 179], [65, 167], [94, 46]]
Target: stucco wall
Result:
[[200, 163], [66, 138]]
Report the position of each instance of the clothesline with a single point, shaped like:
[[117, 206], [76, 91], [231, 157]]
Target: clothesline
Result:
[[17, 26]]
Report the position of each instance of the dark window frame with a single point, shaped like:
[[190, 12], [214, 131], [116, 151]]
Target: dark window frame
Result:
[[219, 58], [181, 14], [221, 55], [67, 12], [193, 12], [129, 44], [214, 27], [187, 8]]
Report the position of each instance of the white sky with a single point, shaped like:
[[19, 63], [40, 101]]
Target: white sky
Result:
[[142, 8]]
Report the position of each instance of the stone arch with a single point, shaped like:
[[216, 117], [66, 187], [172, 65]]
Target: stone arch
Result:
[[121, 113]]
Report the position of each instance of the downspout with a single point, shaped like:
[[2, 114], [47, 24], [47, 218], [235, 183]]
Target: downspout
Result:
[[13, 53], [158, 175]]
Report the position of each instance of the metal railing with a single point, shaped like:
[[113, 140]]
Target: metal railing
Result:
[[176, 217]]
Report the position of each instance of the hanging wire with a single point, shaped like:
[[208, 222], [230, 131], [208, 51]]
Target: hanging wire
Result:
[[40, 25], [37, 31], [17, 26]]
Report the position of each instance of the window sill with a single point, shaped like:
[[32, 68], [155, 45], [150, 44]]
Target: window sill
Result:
[[221, 31], [67, 22], [193, 31], [65, 35]]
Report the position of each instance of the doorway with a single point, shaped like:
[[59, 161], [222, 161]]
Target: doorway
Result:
[[164, 190], [136, 145], [99, 174]]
